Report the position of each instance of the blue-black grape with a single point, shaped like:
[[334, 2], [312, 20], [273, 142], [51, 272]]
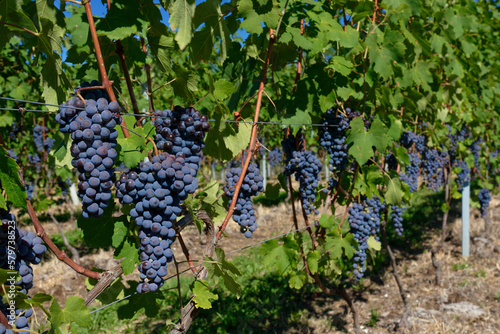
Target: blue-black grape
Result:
[[484, 197], [244, 213], [364, 221], [93, 149], [19, 249], [306, 168]]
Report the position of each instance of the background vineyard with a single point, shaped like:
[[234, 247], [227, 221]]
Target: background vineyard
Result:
[[411, 81]]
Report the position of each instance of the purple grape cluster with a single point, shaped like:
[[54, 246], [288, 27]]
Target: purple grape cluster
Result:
[[409, 138], [484, 197], [457, 138], [397, 217], [244, 213], [412, 171], [42, 145], [289, 145], [18, 250], [476, 151], [364, 221], [332, 139], [157, 189], [306, 168], [434, 163], [275, 157], [391, 161], [93, 149], [181, 130], [463, 177]]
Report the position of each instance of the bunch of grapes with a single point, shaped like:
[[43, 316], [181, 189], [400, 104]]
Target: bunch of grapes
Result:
[[42, 145], [476, 150], [391, 161], [412, 171], [157, 189], [332, 139], [15, 131], [484, 200], [289, 146], [18, 250], [181, 131], [92, 128], [456, 138], [306, 168], [244, 213], [397, 217], [364, 221], [275, 157], [409, 138], [463, 177], [433, 164]]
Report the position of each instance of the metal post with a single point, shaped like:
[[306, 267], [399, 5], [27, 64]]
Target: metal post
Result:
[[263, 168], [465, 221]]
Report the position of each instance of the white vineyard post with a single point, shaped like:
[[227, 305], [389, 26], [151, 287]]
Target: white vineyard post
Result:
[[263, 168], [465, 221]]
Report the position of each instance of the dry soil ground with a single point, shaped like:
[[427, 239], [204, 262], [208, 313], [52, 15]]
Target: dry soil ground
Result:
[[466, 301]]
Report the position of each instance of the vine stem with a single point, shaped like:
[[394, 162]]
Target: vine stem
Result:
[[148, 78], [100, 61], [403, 323], [40, 231], [186, 253], [19, 27], [253, 137], [4, 321], [123, 62]]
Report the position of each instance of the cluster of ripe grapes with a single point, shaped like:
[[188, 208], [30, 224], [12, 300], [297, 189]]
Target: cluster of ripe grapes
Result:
[[92, 128], [157, 188], [42, 145], [434, 163], [397, 217], [275, 157], [364, 221], [244, 213], [332, 139], [463, 177], [306, 168], [18, 250], [484, 197]]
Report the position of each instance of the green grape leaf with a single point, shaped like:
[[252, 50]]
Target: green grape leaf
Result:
[[181, 17], [312, 261], [128, 251], [339, 246], [74, 311], [374, 244], [223, 89], [9, 177], [394, 193], [361, 141], [221, 268], [297, 280], [277, 256], [202, 295], [98, 232], [341, 65], [226, 140]]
